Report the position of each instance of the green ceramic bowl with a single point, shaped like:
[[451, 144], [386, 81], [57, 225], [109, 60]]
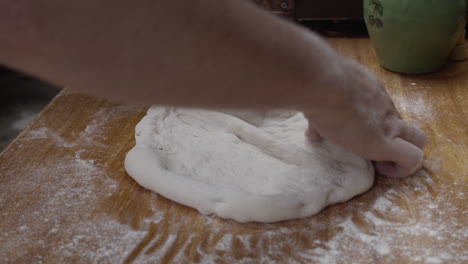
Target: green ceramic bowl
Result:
[[414, 36]]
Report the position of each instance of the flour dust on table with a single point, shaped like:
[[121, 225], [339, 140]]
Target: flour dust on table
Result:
[[242, 165]]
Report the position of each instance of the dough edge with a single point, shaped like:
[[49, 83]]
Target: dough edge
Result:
[[142, 164]]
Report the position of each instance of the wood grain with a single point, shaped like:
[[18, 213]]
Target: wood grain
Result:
[[66, 198]]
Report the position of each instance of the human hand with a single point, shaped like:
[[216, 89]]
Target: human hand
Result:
[[363, 119]]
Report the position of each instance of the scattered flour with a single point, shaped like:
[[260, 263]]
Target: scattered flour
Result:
[[414, 220], [400, 225], [64, 181], [418, 107], [225, 243]]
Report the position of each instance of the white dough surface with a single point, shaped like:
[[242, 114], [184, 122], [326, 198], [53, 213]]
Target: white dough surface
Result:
[[241, 165]]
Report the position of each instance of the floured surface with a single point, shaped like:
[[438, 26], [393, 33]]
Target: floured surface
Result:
[[246, 166], [66, 198]]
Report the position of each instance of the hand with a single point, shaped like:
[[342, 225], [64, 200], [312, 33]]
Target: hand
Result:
[[364, 120]]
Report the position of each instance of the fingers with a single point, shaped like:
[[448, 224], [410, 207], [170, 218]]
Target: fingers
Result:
[[406, 151], [413, 135], [404, 159], [312, 134], [386, 168]]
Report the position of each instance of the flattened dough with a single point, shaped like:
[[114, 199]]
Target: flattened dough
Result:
[[246, 166]]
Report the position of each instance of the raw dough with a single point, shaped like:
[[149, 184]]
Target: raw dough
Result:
[[247, 166]]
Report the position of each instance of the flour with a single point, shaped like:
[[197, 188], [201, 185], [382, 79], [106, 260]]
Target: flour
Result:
[[420, 219], [61, 183], [245, 166]]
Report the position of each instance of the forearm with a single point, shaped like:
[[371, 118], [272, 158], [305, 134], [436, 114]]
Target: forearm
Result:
[[206, 53]]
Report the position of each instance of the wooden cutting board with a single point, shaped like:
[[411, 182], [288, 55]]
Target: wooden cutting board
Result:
[[65, 196]]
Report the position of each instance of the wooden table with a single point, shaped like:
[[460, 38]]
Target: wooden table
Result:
[[65, 196]]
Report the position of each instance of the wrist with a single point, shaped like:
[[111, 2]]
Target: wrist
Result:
[[325, 84]]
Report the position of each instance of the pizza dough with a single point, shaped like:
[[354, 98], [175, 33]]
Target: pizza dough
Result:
[[246, 166]]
